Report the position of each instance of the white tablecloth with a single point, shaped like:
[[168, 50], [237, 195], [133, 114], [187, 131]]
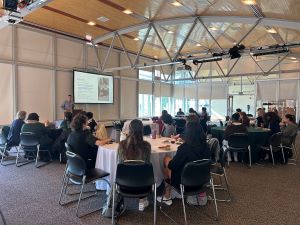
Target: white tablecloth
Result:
[[107, 160], [153, 126]]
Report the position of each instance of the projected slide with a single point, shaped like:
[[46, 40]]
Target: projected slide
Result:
[[93, 88]]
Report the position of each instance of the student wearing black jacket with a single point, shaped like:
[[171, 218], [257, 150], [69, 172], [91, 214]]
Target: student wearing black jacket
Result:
[[194, 148]]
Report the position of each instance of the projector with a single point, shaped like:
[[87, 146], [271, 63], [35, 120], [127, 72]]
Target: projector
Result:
[[11, 19]]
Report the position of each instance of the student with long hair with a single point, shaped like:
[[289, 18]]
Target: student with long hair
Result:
[[194, 148]]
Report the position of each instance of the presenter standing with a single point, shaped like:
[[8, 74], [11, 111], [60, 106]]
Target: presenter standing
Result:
[[68, 104]]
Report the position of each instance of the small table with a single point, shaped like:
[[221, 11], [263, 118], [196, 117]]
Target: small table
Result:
[[257, 136], [107, 160]]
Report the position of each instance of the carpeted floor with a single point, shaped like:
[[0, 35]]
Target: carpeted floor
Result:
[[261, 195]]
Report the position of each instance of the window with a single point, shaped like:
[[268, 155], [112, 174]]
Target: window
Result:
[[145, 75], [218, 109], [179, 104], [145, 105], [190, 103], [241, 101], [157, 110], [203, 103], [166, 104]]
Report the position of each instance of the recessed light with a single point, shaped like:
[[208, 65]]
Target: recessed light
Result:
[[249, 2], [170, 32], [213, 28], [176, 3], [296, 61], [234, 43], [91, 23], [272, 31], [155, 57], [88, 37], [198, 44], [127, 11], [91, 44], [136, 39], [293, 58], [103, 19]]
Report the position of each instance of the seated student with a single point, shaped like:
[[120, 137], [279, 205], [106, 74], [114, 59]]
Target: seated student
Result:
[[272, 122], [33, 125], [193, 148], [203, 119], [169, 128], [244, 119], [91, 122], [180, 113], [289, 130], [135, 148], [66, 123], [13, 137], [235, 127], [238, 110], [260, 117], [82, 141]]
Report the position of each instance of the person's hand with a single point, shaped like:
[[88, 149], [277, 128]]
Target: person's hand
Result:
[[175, 136]]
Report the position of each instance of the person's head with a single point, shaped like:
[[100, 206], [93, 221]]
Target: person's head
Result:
[[243, 114], [89, 115], [33, 117], [79, 122], [192, 118], [238, 110], [203, 109], [134, 140], [235, 117], [180, 110], [275, 111], [167, 119], [194, 134], [260, 112], [21, 115], [68, 116], [82, 112], [164, 112], [191, 110], [289, 119], [69, 98]]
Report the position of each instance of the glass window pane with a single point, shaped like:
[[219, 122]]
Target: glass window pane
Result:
[[145, 75], [145, 105], [166, 103], [218, 109], [242, 101], [157, 110]]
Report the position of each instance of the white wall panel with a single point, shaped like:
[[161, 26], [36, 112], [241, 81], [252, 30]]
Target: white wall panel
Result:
[[34, 47], [204, 91], [178, 92], [92, 57], [128, 72], [288, 90], [64, 87], [157, 89], [69, 53], [190, 91], [219, 91], [128, 99], [6, 93], [266, 90], [145, 87], [35, 91], [165, 90], [6, 43]]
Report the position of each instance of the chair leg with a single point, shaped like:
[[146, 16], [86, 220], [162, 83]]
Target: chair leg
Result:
[[295, 151], [62, 185], [17, 157], [83, 182], [154, 222], [215, 200], [37, 156], [272, 154], [250, 159], [282, 152], [227, 186], [183, 205], [113, 205]]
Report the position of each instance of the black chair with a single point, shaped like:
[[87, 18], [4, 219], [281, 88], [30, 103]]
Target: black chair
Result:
[[218, 169], [77, 173], [196, 178], [29, 144], [180, 125], [293, 148], [147, 130], [239, 143], [275, 145], [6, 156], [134, 179]]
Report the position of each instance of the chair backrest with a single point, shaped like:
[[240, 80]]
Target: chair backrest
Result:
[[135, 174], [3, 140], [180, 123], [147, 130], [275, 139], [28, 139], [76, 164], [196, 174], [238, 140]]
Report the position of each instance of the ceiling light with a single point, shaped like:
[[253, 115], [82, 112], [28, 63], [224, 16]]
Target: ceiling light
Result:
[[213, 28], [293, 58], [91, 23], [198, 44], [176, 3], [88, 37], [170, 32], [249, 2], [296, 61], [127, 11], [136, 39], [103, 19], [234, 43], [272, 31], [155, 57]]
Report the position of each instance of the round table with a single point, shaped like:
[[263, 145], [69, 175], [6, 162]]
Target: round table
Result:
[[257, 136], [107, 160]]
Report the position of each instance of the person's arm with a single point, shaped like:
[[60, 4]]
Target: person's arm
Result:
[[63, 106], [178, 160], [102, 142]]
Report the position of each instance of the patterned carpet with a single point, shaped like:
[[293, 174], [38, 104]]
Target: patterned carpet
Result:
[[261, 195]]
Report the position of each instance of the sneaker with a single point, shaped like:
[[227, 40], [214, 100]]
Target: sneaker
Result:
[[163, 199], [143, 203], [202, 198]]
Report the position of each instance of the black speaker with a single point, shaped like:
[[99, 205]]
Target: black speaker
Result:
[[10, 5]]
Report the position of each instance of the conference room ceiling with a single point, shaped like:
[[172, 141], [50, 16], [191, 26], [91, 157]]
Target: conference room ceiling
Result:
[[72, 17]]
